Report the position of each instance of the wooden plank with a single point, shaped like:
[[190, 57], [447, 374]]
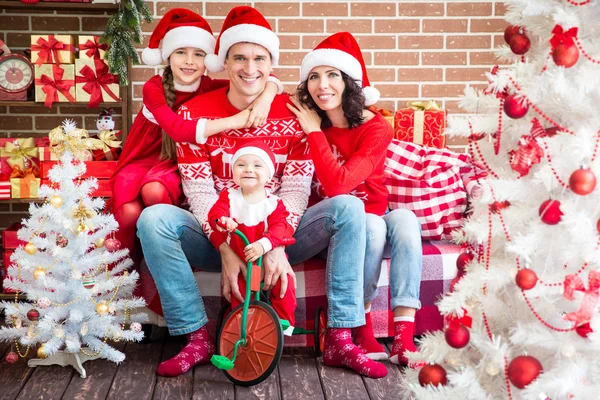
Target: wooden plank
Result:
[[210, 383], [47, 382], [341, 383], [13, 377], [388, 387], [100, 374], [135, 378], [180, 387], [298, 374], [267, 389]]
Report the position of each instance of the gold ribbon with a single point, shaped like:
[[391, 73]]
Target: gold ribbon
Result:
[[419, 122], [106, 140], [77, 142], [17, 153]]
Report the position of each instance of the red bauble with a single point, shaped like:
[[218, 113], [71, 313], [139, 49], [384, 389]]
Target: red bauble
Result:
[[12, 357], [497, 206], [582, 181], [552, 131], [462, 261], [457, 337], [523, 370], [519, 44], [112, 244], [33, 314], [511, 31], [565, 56], [454, 281], [584, 330], [526, 279], [598, 226], [550, 212], [432, 375], [515, 107]]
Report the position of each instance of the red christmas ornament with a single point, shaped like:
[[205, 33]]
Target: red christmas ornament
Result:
[[477, 136], [523, 370], [457, 337], [511, 31], [552, 131], [526, 279], [582, 181], [497, 206], [598, 226], [565, 56], [33, 315], [454, 281], [519, 44], [112, 244], [462, 261], [550, 212], [514, 107], [584, 330], [432, 375], [12, 357]]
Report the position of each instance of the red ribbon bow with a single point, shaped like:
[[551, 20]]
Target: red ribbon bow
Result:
[[93, 48], [52, 86], [97, 80], [48, 50], [529, 152], [454, 321], [590, 298], [562, 36]]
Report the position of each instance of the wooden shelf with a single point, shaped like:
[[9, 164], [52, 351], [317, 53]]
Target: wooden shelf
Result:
[[38, 104], [52, 6], [11, 296]]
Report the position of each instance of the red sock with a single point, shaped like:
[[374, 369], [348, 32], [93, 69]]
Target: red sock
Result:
[[198, 350], [365, 340], [341, 352], [403, 340]]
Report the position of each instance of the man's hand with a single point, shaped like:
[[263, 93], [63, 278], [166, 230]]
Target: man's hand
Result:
[[232, 266], [226, 224], [253, 251], [276, 266]]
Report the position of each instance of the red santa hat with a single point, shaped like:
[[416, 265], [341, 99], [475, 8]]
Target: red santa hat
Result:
[[259, 149], [341, 51], [178, 28], [243, 24]]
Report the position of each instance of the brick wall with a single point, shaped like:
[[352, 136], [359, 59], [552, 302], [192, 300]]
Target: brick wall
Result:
[[413, 50]]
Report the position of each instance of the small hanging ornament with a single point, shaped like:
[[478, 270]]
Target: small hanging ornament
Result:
[[11, 357], [550, 212], [498, 206], [526, 279], [30, 248], [552, 131], [519, 44], [523, 370], [100, 242], [61, 241], [30, 331], [33, 315], [56, 201], [432, 374], [492, 369], [510, 31], [457, 336], [101, 308], [44, 302], [463, 260], [39, 273], [89, 282], [515, 107], [81, 227], [582, 181], [17, 323], [84, 329], [41, 352], [584, 330], [59, 332], [564, 51], [136, 327], [112, 245], [598, 226]]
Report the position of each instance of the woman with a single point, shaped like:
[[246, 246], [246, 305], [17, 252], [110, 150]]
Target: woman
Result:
[[348, 145]]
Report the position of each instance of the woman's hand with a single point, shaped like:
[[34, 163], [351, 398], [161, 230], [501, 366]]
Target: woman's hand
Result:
[[253, 251], [309, 119]]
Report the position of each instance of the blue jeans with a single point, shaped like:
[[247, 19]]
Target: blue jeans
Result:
[[173, 240], [401, 229]]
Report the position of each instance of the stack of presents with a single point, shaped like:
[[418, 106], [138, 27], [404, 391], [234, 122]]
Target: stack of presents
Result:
[[422, 176], [59, 77], [26, 162]]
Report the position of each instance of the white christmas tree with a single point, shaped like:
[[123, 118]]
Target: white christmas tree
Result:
[[71, 271], [522, 316]]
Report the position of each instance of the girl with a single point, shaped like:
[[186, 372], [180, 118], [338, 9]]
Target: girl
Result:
[[147, 169], [348, 145]]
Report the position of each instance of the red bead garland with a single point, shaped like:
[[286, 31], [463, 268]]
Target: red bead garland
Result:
[[585, 54], [583, 3], [499, 131]]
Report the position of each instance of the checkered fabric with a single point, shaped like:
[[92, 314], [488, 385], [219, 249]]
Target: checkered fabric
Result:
[[429, 182], [439, 267]]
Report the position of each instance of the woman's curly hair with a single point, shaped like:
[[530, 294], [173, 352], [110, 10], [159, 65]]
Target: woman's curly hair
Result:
[[353, 102]]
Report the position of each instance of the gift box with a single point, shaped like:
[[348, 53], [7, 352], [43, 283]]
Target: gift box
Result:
[[94, 169], [46, 154], [23, 152], [52, 49], [106, 146], [54, 82], [94, 84], [421, 123], [387, 114], [90, 47], [4, 187], [24, 184], [10, 239]]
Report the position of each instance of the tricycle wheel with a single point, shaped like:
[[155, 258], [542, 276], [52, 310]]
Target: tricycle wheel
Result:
[[320, 329], [259, 357]]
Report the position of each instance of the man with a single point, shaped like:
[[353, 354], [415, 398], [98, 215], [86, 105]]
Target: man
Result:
[[173, 239]]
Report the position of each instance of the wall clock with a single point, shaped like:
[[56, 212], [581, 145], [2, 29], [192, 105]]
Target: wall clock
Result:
[[16, 76]]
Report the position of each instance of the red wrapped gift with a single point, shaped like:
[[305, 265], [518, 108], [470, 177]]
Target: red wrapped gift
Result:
[[4, 187], [54, 82], [94, 84], [422, 123], [52, 49], [106, 146], [90, 47], [387, 114], [22, 152], [9, 237], [94, 169]]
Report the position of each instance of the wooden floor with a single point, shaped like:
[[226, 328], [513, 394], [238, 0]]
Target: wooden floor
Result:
[[298, 376]]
